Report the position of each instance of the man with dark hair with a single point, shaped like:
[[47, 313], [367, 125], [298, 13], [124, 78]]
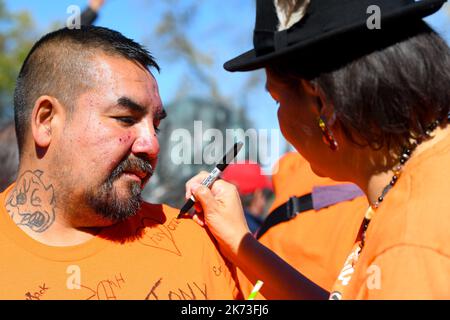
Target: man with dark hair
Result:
[[9, 157], [87, 111]]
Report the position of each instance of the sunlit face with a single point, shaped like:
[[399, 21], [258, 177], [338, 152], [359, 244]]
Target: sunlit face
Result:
[[298, 115], [109, 146]]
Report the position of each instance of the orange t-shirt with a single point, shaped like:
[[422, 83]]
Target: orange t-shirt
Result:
[[150, 256], [316, 243], [407, 250]]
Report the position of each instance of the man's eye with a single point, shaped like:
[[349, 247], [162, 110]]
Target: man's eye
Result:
[[126, 120], [157, 130]]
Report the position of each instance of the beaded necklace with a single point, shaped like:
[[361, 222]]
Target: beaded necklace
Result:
[[349, 266]]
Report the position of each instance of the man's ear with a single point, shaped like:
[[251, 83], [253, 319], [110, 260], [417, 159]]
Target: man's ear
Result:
[[45, 118]]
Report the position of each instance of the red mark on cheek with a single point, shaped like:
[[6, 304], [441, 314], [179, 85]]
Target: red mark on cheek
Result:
[[125, 139]]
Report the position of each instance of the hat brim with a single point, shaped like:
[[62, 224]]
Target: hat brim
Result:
[[249, 61]]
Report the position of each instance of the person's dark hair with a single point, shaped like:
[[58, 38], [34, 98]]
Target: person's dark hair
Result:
[[60, 65], [247, 199], [384, 90], [9, 156]]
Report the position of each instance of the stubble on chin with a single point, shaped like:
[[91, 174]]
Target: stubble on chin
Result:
[[107, 203]]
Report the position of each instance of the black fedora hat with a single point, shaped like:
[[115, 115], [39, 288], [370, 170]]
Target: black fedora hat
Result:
[[324, 20]]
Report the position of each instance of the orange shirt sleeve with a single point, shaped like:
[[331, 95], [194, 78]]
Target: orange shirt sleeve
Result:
[[407, 272]]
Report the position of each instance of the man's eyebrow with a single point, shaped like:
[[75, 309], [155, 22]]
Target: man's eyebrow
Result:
[[131, 105]]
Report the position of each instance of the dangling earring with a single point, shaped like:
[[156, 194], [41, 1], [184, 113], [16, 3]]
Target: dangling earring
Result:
[[328, 137]]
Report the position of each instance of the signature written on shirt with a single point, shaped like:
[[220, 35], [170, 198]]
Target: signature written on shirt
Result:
[[105, 289], [192, 291], [160, 236], [36, 295]]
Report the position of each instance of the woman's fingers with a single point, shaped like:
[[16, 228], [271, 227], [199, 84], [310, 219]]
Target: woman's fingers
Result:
[[196, 180], [222, 213], [204, 196], [199, 220]]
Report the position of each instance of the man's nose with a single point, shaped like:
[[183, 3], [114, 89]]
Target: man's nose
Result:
[[146, 142]]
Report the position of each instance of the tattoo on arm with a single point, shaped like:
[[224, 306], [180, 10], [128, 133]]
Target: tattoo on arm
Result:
[[31, 203]]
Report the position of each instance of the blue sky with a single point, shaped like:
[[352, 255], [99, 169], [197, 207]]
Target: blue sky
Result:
[[222, 29]]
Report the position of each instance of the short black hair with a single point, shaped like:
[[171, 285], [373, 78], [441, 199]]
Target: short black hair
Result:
[[58, 65], [386, 89]]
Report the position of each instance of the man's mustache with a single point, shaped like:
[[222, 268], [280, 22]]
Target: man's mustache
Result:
[[132, 165]]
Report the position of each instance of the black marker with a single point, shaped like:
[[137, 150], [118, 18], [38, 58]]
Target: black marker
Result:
[[220, 167]]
